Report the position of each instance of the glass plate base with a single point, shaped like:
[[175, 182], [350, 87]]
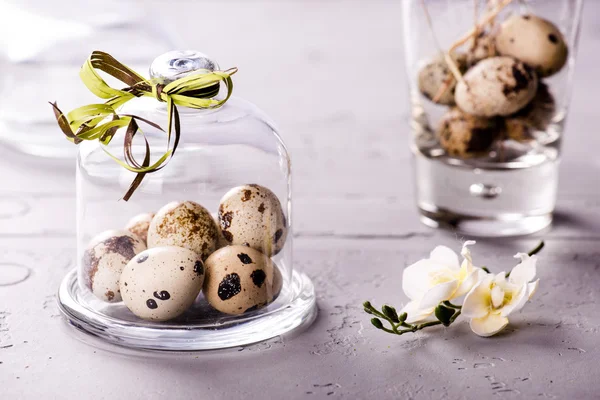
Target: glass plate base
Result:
[[502, 225], [211, 333]]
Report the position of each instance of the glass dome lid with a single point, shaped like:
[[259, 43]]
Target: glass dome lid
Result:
[[200, 254]]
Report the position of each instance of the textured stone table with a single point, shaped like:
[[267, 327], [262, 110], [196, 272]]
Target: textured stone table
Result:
[[356, 229]]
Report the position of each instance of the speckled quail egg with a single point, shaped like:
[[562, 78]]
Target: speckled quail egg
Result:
[[184, 224], [536, 116], [161, 283], [139, 225], [104, 260], [434, 75], [483, 47], [465, 136], [221, 241], [496, 86], [534, 41], [240, 279], [252, 214]]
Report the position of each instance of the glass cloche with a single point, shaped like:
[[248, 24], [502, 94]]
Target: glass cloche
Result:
[[200, 256]]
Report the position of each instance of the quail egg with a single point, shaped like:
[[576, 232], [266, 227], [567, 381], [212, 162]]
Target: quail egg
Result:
[[534, 41], [221, 241], [463, 135], [435, 74], [184, 224], [104, 260], [139, 225], [240, 279], [252, 214], [161, 283], [483, 47], [536, 116], [496, 86]]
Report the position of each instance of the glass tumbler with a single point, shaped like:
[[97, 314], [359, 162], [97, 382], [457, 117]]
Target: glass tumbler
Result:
[[41, 48], [490, 84]]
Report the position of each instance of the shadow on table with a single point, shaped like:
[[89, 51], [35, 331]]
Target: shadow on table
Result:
[[581, 224]]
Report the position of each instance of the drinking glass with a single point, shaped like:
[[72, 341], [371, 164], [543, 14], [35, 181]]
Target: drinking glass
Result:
[[42, 47], [495, 175]]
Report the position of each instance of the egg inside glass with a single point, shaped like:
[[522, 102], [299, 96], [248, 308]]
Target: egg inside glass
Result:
[[490, 84], [229, 159]]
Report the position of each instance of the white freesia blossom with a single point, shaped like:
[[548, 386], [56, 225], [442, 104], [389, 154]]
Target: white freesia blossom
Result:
[[438, 278], [490, 301]]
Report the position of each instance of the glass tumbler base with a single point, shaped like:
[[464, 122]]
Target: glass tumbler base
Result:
[[299, 310], [474, 226], [43, 140]]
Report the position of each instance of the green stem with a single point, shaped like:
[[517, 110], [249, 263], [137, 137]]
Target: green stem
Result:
[[539, 247], [448, 304], [393, 332], [409, 328], [455, 316], [426, 324], [374, 311]]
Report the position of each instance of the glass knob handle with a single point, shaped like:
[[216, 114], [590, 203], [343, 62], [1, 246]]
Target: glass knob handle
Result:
[[177, 64]]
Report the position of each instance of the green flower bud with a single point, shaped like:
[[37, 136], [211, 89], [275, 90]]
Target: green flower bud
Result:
[[444, 314], [391, 313], [367, 304], [402, 317], [377, 323]]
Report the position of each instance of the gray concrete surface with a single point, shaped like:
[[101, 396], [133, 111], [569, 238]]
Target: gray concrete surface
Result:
[[356, 229]]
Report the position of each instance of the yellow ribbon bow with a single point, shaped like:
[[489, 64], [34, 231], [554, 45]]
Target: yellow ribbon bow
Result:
[[101, 121]]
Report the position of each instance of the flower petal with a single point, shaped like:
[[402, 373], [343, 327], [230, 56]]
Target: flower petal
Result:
[[477, 303], [445, 256], [500, 279], [415, 279], [438, 293], [415, 314], [524, 271], [516, 303], [497, 296], [488, 325], [467, 284], [466, 253], [532, 288]]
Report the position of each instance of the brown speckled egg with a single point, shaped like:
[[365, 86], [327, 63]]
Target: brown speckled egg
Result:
[[104, 260], [483, 47], [240, 279], [221, 241], [534, 41], [277, 283], [252, 214], [184, 224], [139, 225], [536, 116], [496, 86], [435, 73], [465, 136], [161, 283]]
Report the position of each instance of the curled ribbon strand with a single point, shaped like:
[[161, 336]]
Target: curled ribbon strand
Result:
[[101, 121]]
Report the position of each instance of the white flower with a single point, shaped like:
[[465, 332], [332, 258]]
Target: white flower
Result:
[[438, 278], [490, 302]]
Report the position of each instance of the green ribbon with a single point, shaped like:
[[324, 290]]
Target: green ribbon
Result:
[[101, 121]]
